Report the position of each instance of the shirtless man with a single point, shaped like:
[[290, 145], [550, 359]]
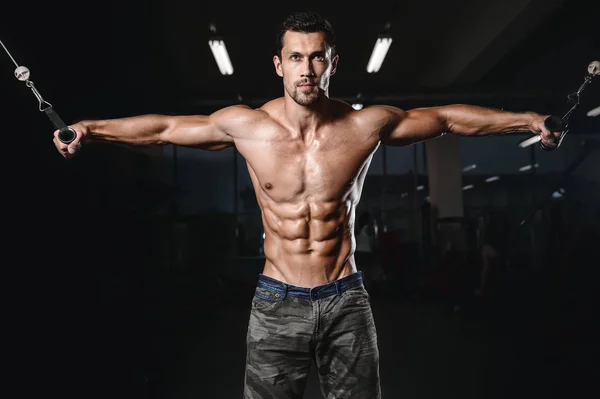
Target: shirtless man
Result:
[[307, 156]]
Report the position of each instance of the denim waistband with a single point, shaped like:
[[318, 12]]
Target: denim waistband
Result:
[[321, 291]]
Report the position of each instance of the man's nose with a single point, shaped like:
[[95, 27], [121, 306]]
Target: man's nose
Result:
[[308, 69]]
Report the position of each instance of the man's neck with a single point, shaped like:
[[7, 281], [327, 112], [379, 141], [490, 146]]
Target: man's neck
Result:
[[306, 118]]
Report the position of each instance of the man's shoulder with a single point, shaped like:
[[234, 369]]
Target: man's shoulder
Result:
[[273, 106], [244, 114], [240, 120], [376, 115], [381, 109]]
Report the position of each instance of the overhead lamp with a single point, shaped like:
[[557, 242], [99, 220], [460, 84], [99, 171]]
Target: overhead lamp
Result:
[[559, 193], [358, 104], [594, 112], [380, 50], [528, 167], [219, 51]]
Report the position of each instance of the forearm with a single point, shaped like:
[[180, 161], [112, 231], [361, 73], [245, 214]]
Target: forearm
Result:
[[136, 130], [471, 120]]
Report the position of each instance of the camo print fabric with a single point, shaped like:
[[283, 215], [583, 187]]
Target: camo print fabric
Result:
[[287, 334]]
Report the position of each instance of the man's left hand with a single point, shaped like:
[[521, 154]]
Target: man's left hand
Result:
[[548, 139]]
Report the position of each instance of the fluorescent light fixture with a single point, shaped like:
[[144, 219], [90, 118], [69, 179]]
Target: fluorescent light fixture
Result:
[[527, 167], [469, 167], [491, 179], [217, 46], [380, 50], [594, 112], [357, 106], [468, 187], [558, 193], [530, 141]]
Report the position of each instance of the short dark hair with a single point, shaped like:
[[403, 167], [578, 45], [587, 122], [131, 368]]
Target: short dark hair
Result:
[[305, 22]]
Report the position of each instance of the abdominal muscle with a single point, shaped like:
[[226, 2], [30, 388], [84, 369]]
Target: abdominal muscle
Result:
[[308, 244]]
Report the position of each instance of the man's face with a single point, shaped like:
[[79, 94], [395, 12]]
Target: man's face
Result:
[[305, 66]]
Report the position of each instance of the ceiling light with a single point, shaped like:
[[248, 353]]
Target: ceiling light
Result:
[[382, 45], [527, 167], [219, 51]]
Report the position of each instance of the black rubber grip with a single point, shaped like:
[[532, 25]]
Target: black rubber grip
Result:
[[554, 124], [66, 135]]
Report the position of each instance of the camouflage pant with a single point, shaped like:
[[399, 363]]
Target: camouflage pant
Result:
[[292, 327]]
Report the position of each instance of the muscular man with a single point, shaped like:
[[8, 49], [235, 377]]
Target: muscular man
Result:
[[307, 156]]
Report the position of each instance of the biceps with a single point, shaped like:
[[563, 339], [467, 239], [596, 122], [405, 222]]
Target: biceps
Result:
[[197, 132], [414, 126]]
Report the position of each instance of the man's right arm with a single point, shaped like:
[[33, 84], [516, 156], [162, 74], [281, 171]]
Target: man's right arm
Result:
[[211, 132]]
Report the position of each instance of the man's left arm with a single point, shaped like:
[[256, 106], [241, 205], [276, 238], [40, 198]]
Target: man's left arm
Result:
[[407, 127]]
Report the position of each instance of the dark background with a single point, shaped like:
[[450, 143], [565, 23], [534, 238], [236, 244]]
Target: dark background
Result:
[[125, 277]]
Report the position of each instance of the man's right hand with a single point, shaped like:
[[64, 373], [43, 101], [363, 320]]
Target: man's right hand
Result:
[[69, 150]]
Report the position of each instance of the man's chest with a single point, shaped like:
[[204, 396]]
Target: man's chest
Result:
[[287, 167]]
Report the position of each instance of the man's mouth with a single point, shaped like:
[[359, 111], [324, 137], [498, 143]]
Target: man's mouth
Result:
[[307, 86]]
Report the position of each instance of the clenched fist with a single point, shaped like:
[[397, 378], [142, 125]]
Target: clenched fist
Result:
[[69, 150]]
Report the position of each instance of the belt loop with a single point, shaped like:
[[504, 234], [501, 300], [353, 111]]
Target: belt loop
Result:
[[337, 287]]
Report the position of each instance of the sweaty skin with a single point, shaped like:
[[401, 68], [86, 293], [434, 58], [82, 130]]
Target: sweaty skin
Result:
[[307, 155], [308, 185]]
